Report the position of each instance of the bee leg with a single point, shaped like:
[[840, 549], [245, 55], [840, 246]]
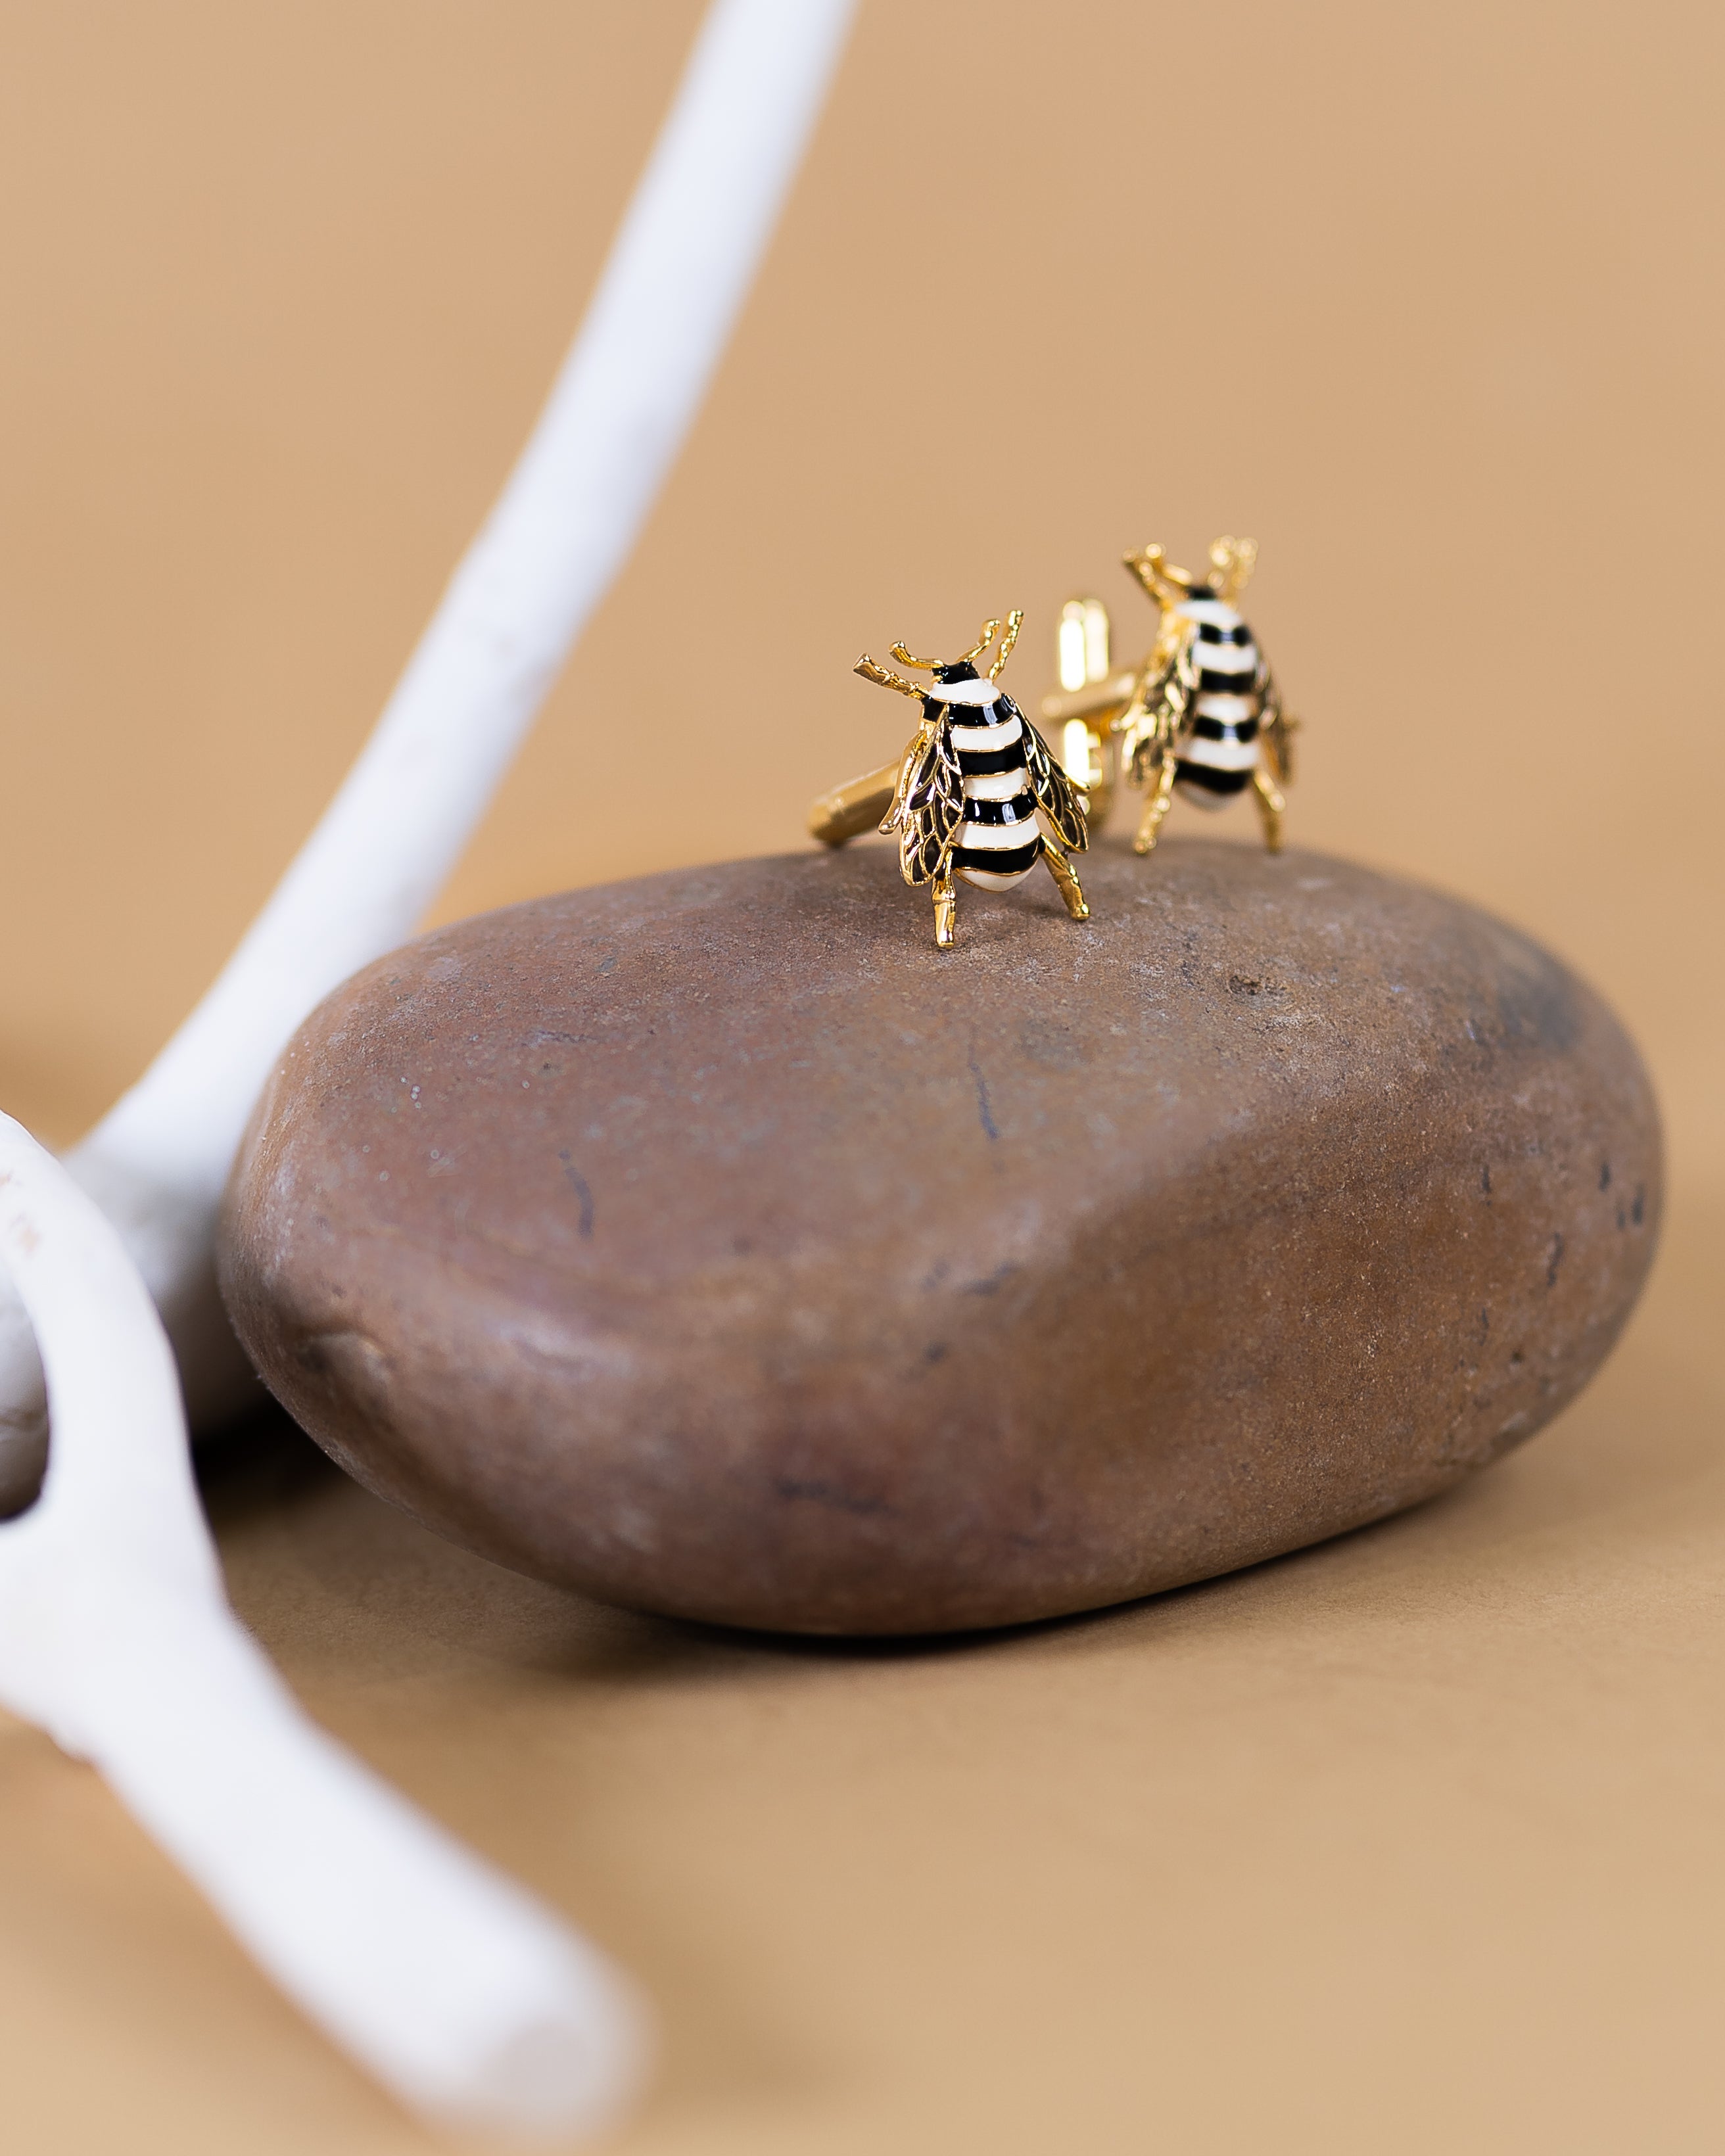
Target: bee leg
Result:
[[1061, 870], [1155, 809], [1271, 805], [946, 911]]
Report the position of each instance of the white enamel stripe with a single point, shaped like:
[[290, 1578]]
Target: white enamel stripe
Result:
[[1217, 612], [1219, 755], [996, 785], [1227, 658], [986, 878], [980, 737], [998, 838], [966, 692], [1219, 704]]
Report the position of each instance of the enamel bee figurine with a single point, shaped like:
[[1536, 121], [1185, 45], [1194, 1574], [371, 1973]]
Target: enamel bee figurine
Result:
[[967, 794], [1201, 717]]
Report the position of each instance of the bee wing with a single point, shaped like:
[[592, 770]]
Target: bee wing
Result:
[[1159, 708], [1056, 796], [928, 806], [1277, 727]]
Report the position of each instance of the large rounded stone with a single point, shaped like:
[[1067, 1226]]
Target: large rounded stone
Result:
[[715, 1244]]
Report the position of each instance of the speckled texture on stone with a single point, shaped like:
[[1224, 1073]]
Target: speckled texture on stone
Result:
[[713, 1244]]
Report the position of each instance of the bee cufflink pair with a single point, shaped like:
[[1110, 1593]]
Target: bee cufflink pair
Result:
[[978, 795]]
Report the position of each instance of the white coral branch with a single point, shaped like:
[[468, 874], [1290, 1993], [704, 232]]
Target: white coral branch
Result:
[[473, 2002], [658, 322]]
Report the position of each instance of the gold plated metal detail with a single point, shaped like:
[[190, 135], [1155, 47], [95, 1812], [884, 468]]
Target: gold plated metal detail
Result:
[[1200, 714], [848, 811], [1081, 662], [1014, 623], [1064, 874], [977, 797]]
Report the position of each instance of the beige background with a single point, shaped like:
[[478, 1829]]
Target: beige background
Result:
[[1409, 1843]]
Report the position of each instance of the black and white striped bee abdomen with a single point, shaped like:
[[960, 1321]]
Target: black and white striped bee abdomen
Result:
[[999, 841], [1218, 750]]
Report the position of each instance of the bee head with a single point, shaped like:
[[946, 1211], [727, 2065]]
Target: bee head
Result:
[[957, 669], [1231, 564]]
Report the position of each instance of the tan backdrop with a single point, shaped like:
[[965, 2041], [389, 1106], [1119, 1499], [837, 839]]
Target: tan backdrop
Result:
[[1409, 1843]]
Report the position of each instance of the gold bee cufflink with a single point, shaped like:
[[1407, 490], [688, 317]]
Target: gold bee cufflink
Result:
[[1200, 715], [965, 797]]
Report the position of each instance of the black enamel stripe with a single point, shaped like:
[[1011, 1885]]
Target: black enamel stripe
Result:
[[1002, 860], [1020, 809], [1229, 685], [977, 714], [1212, 780], [1207, 729], [977, 762], [1209, 632]]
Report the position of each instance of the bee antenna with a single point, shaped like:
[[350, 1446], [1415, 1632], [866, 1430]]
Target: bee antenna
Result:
[[883, 677], [1235, 560], [1166, 584]]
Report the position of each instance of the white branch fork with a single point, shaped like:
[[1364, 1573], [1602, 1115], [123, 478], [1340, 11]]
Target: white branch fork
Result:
[[475, 2004]]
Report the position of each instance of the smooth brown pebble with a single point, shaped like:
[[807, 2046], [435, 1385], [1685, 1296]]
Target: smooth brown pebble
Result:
[[714, 1244]]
